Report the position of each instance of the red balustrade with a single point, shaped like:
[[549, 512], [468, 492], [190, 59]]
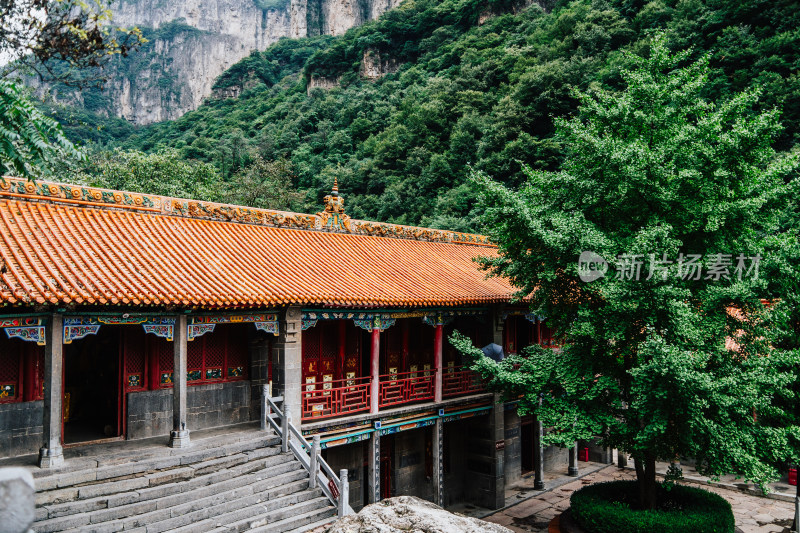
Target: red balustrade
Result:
[[458, 381], [406, 387], [335, 398]]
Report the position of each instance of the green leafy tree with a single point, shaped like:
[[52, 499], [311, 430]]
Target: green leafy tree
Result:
[[648, 364], [264, 184], [30, 143], [165, 173], [782, 266], [42, 36], [60, 40]]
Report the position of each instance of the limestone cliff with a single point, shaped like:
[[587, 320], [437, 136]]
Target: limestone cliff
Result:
[[191, 42]]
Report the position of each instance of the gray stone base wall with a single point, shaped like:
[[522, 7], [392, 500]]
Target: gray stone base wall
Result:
[[480, 446], [409, 477], [455, 476], [149, 413], [513, 449], [555, 459], [351, 457], [20, 428]]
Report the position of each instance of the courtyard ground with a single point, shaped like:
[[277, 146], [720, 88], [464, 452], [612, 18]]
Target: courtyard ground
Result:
[[753, 514]]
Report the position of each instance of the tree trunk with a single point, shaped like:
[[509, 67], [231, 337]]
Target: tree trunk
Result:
[[646, 479]]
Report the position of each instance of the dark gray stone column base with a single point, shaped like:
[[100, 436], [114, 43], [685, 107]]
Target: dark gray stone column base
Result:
[[179, 439], [51, 457]]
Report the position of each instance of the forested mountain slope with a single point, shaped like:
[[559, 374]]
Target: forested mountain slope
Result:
[[400, 108]]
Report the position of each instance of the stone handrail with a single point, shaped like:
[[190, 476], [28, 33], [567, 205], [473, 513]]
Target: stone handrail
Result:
[[321, 475]]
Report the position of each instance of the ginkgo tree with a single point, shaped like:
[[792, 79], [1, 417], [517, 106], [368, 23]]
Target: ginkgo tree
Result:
[[666, 349]]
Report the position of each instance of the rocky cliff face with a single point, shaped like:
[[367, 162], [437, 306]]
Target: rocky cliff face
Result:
[[194, 41]]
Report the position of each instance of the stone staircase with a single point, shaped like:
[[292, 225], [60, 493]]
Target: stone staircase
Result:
[[226, 482]]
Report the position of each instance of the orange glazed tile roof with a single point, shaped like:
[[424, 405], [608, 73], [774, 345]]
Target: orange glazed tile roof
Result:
[[68, 244]]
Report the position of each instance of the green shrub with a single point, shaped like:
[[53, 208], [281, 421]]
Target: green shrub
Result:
[[611, 508]]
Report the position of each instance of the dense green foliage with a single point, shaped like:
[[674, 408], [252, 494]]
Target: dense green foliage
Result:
[[612, 507], [284, 58], [31, 144], [464, 94], [655, 172], [163, 172]]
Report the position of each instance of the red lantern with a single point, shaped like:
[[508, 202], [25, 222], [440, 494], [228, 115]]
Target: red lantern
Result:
[[792, 476]]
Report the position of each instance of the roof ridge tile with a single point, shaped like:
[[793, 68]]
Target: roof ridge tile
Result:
[[331, 220]]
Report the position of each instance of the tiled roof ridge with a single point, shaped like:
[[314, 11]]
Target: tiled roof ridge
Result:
[[331, 219]]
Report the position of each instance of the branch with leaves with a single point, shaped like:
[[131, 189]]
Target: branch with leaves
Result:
[[44, 36]]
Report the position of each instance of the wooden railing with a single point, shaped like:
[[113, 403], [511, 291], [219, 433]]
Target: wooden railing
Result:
[[335, 398], [406, 387], [336, 488], [458, 381]]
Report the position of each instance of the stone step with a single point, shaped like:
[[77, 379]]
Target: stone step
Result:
[[329, 518], [227, 506], [302, 515], [222, 483], [256, 519], [100, 458], [145, 464], [164, 501], [120, 453], [240, 519], [116, 503]]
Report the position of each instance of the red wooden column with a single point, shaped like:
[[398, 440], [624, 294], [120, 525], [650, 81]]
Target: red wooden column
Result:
[[374, 390], [437, 359]]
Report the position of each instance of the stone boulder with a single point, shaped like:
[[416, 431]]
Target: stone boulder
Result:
[[17, 500], [407, 514]]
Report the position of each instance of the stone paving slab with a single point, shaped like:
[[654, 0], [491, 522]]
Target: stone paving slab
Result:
[[753, 514], [780, 490]]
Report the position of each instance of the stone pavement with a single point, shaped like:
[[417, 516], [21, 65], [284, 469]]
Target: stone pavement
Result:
[[753, 514], [780, 490]]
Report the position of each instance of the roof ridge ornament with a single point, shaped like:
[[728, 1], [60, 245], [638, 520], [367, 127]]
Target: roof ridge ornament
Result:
[[333, 216]]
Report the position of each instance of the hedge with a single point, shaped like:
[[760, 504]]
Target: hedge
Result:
[[611, 508]]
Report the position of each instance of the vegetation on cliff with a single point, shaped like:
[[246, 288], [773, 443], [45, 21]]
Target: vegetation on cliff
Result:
[[476, 85]]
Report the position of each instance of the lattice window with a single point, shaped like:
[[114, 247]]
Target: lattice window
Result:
[[194, 359], [237, 354], [420, 344], [10, 365], [352, 351], [353, 344], [134, 358], [166, 359], [449, 352], [214, 353], [40, 371], [394, 346], [311, 343], [329, 341]]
